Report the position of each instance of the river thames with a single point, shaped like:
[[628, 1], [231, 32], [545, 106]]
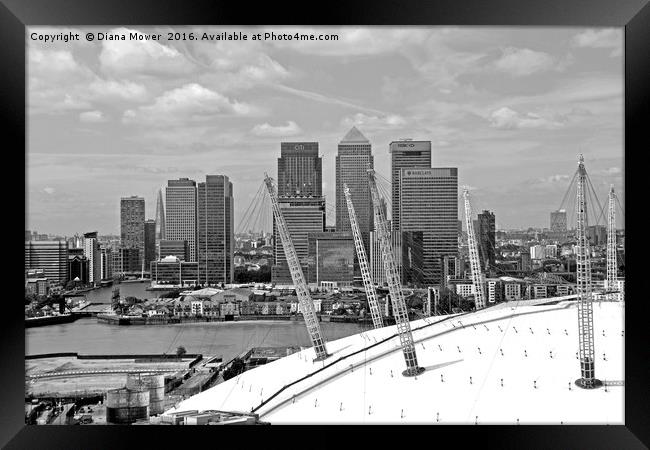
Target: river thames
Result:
[[225, 339]]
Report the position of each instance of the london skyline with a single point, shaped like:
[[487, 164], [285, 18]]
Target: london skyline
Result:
[[507, 108]]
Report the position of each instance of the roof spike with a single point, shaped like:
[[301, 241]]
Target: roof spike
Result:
[[354, 135]]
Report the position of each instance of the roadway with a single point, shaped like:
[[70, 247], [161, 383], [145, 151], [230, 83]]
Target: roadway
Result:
[[70, 373]]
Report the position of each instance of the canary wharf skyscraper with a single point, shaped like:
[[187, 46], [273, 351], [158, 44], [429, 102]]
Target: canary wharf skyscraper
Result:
[[180, 218], [429, 213], [300, 196], [300, 171], [352, 162], [405, 154]]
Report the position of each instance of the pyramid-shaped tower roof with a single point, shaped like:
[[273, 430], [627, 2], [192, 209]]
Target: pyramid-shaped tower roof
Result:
[[354, 135]]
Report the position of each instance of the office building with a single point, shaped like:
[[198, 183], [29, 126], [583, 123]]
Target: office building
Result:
[[405, 154], [303, 215], [172, 270], [180, 213], [160, 221], [331, 258], [91, 252], [51, 257], [149, 243], [352, 162], [428, 205], [300, 170], [301, 202], [215, 230], [132, 223], [180, 249], [486, 237]]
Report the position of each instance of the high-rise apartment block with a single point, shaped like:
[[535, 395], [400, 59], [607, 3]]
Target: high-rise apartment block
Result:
[[92, 254], [106, 263], [132, 223]]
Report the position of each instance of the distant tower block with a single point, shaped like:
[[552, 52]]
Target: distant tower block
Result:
[[585, 299]]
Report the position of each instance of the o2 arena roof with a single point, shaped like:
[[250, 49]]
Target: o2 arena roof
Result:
[[511, 363]]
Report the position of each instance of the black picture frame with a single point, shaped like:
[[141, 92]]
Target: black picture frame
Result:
[[634, 15]]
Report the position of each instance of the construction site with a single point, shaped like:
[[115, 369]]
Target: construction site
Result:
[[555, 360]]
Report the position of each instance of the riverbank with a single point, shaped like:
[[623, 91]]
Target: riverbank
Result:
[[49, 320], [114, 319]]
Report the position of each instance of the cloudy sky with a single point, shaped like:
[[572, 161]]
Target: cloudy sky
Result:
[[510, 107]]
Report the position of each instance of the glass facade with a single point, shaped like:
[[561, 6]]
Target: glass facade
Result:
[[49, 256], [300, 170], [215, 230], [428, 204], [352, 162], [180, 215], [331, 258]]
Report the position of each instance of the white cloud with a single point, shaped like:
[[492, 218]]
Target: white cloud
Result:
[[124, 90], [610, 171], [266, 129], [507, 119], [378, 122], [523, 61], [52, 61], [141, 57], [604, 38], [324, 98], [92, 117], [189, 103]]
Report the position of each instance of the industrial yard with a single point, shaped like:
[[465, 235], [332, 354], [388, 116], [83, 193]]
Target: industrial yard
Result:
[[70, 376]]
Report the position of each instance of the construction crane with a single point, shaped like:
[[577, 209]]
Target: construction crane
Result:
[[612, 266], [304, 298], [371, 295], [583, 276], [394, 285], [474, 262]]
